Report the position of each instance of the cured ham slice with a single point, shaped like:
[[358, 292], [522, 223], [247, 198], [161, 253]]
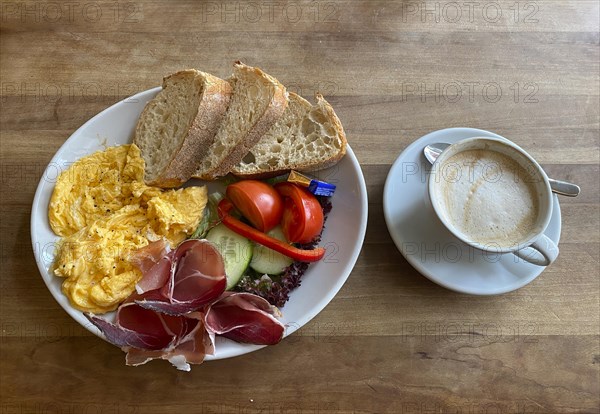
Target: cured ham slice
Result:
[[183, 305], [190, 349], [154, 261], [145, 335], [139, 328], [196, 278], [244, 317]]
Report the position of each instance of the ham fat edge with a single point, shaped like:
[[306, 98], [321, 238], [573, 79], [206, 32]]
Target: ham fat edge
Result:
[[244, 317], [180, 306]]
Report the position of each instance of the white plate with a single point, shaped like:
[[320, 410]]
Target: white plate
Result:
[[429, 247], [343, 242]]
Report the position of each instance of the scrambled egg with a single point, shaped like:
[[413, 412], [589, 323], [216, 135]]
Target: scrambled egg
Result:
[[104, 212]]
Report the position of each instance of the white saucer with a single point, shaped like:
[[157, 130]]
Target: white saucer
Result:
[[429, 247]]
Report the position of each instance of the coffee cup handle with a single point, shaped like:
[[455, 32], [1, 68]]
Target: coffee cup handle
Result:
[[547, 249]]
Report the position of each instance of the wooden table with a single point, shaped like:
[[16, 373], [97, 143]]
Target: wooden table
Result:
[[390, 341]]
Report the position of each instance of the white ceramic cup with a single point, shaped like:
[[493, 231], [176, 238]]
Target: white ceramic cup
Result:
[[534, 247]]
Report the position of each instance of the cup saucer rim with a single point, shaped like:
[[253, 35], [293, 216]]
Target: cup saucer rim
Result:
[[452, 135]]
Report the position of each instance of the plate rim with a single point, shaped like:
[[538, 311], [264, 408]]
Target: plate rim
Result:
[[243, 348], [418, 265]]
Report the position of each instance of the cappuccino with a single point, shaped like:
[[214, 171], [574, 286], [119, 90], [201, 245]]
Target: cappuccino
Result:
[[488, 197]]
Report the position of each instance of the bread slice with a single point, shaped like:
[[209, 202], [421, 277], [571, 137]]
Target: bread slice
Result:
[[306, 138], [258, 101], [178, 126]]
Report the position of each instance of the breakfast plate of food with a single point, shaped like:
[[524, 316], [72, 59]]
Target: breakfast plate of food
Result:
[[201, 220], [427, 243]]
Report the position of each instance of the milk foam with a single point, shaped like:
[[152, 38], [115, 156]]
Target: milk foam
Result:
[[487, 197]]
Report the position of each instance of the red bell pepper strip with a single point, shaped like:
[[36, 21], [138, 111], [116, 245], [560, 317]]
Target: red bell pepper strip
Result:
[[225, 207]]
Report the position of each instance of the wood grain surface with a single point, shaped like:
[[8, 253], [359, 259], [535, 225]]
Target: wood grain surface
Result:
[[391, 341]]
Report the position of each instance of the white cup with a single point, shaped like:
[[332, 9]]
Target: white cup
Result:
[[533, 246]]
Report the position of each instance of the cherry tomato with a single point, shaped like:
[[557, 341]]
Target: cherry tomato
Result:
[[302, 214], [258, 202]]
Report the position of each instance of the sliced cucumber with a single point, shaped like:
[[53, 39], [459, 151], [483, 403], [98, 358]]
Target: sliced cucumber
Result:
[[265, 260], [235, 249]]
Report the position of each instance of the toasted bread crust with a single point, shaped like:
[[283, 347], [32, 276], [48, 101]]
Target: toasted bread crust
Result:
[[308, 167], [273, 112], [202, 132], [216, 94], [338, 127]]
